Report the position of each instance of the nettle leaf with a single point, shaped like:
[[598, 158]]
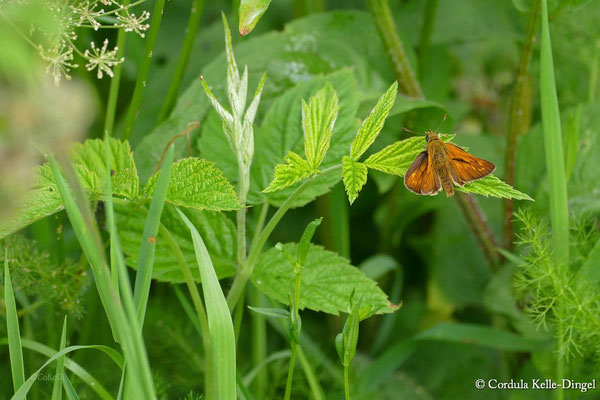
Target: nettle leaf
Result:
[[88, 159], [318, 118], [197, 183], [281, 132], [328, 281], [295, 169], [354, 175], [216, 229], [371, 126], [396, 158], [494, 187]]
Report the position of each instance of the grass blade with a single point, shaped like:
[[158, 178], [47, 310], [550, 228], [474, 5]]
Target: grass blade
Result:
[[12, 327], [143, 277], [60, 365], [75, 368], [559, 210], [220, 324], [69, 389]]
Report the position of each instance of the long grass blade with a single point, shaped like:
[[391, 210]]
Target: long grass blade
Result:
[[220, 325], [15, 349], [559, 210], [69, 389], [60, 365], [144, 273]]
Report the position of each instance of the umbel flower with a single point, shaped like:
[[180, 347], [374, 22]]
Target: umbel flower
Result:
[[102, 59], [58, 47], [59, 62]]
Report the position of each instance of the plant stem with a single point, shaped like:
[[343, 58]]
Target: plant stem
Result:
[[478, 223], [259, 343], [519, 117], [183, 59], [288, 385], [241, 279], [426, 33], [244, 176], [115, 83], [380, 9], [311, 377], [346, 383], [140, 84]]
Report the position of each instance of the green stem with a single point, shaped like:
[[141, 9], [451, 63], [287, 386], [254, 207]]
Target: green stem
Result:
[[380, 9], [519, 116], [426, 34], [115, 83], [259, 343], [311, 376], [560, 363], [244, 176], [184, 57], [143, 70], [288, 385], [241, 279], [346, 383]]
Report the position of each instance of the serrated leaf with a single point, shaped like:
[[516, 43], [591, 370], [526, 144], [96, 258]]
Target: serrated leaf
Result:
[[372, 125], [318, 118], [281, 132], [197, 183], [88, 159], [217, 230], [494, 187], [327, 281], [354, 176], [295, 169]]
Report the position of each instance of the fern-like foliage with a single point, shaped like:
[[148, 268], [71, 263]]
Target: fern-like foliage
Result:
[[562, 297]]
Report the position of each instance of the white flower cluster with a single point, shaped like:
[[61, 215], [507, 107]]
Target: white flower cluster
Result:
[[59, 47]]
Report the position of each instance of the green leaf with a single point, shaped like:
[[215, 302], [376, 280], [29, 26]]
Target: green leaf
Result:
[[396, 158], [318, 118], [354, 175], [272, 312], [197, 183], [222, 337], [304, 244], [494, 187], [295, 169], [15, 350], [371, 126], [217, 230], [281, 132], [89, 164], [60, 365], [250, 12], [327, 281]]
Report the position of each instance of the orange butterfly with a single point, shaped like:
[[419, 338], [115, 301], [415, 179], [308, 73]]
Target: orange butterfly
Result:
[[441, 164]]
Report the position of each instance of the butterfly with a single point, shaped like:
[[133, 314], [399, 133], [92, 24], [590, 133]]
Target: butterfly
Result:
[[443, 164]]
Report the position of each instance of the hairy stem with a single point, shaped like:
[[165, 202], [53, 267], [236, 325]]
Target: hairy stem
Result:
[[183, 59], [380, 9], [241, 279], [140, 84], [519, 116], [478, 223]]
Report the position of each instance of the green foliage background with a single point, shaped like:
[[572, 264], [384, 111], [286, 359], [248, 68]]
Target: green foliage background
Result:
[[461, 318]]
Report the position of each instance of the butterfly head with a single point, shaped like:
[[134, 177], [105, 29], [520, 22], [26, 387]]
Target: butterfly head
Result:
[[430, 135]]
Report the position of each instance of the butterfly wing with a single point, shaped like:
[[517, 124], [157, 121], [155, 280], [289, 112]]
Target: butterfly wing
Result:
[[420, 177], [466, 167]]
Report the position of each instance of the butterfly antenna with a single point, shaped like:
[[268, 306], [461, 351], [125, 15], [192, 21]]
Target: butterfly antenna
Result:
[[442, 123], [408, 130]]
